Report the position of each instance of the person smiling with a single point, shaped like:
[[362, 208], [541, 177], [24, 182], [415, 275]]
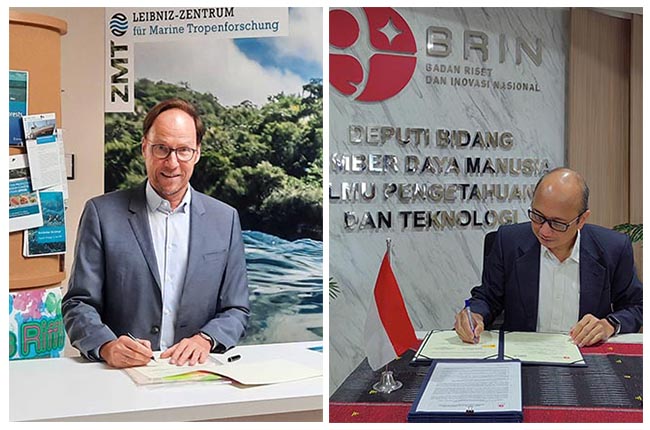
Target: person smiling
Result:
[[160, 266], [557, 273]]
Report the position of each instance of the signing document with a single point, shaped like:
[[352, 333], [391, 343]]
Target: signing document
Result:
[[470, 391], [542, 348], [528, 347], [446, 345], [242, 371], [160, 371]]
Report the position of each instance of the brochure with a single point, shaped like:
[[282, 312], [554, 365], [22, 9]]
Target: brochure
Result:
[[41, 127], [24, 202], [18, 97], [50, 238], [47, 162]]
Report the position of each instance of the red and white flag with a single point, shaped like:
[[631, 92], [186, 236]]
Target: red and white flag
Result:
[[389, 332]]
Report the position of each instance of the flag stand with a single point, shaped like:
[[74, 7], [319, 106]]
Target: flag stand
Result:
[[387, 384]]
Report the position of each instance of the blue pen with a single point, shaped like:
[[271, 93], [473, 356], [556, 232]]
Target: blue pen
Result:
[[471, 321]]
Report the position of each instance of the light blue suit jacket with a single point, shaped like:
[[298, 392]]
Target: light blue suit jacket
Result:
[[114, 287]]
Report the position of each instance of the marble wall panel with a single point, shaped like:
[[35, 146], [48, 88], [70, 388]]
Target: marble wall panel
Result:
[[436, 268]]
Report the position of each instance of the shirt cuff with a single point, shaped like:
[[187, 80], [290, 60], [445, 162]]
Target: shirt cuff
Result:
[[206, 336]]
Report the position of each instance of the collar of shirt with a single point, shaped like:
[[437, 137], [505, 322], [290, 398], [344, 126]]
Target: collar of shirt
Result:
[[575, 252], [157, 203]]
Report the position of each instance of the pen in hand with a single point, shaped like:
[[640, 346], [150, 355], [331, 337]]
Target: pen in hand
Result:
[[471, 321], [134, 338]]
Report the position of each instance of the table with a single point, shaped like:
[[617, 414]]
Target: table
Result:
[[73, 389], [610, 389]]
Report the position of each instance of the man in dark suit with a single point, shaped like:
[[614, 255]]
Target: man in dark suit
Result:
[[557, 273], [160, 266]]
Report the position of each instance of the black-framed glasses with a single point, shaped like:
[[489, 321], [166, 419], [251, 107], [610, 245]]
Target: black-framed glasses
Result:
[[560, 226], [184, 153]]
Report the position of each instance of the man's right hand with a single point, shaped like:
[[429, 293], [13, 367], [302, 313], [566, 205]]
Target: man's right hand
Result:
[[126, 352], [462, 327]]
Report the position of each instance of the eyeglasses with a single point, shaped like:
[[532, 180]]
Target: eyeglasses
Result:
[[184, 153], [555, 225]]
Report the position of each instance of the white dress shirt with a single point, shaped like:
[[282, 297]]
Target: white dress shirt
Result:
[[559, 290], [170, 232]]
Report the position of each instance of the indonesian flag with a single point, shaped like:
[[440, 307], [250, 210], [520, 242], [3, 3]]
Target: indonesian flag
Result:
[[389, 332]]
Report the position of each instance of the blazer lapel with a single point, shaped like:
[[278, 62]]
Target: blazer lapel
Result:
[[592, 274], [139, 222], [527, 268], [197, 237]]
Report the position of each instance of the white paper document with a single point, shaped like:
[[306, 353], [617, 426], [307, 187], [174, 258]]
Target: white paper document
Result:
[[473, 386], [442, 345], [246, 373], [268, 372], [544, 348], [47, 163], [161, 368]]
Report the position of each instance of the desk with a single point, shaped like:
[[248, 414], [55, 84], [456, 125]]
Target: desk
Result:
[[73, 389], [609, 390]]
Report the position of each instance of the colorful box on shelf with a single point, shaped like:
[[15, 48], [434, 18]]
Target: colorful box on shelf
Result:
[[35, 324]]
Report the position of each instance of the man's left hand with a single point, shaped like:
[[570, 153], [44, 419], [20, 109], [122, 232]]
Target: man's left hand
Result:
[[590, 330], [190, 350]]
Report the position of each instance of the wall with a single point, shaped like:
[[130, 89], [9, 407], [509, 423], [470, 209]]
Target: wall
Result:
[[605, 131], [436, 268], [636, 132], [599, 111]]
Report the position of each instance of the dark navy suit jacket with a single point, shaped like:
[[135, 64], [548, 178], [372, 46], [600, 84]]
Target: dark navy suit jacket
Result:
[[608, 280]]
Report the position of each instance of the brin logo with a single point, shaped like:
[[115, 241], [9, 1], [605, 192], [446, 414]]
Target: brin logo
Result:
[[118, 24], [389, 69]]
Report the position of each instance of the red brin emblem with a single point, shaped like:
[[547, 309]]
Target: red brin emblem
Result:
[[389, 69]]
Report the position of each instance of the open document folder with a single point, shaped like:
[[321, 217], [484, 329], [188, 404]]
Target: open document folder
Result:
[[470, 391], [446, 345], [247, 373], [528, 347]]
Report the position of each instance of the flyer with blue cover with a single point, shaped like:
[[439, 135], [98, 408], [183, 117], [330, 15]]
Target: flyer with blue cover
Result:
[[50, 238], [18, 97], [24, 202]]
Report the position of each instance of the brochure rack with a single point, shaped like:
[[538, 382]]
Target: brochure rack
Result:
[[35, 46]]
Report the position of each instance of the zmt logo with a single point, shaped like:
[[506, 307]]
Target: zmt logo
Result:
[[118, 24], [389, 70]]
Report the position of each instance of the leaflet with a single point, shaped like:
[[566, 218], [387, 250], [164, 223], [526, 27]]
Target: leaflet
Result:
[[18, 98], [40, 127], [48, 239], [45, 151], [24, 202]]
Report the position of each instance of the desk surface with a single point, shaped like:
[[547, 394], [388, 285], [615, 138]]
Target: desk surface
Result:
[[608, 390], [73, 389]]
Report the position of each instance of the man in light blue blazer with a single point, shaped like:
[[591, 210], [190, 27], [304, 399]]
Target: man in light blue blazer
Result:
[[557, 273], [160, 266]]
